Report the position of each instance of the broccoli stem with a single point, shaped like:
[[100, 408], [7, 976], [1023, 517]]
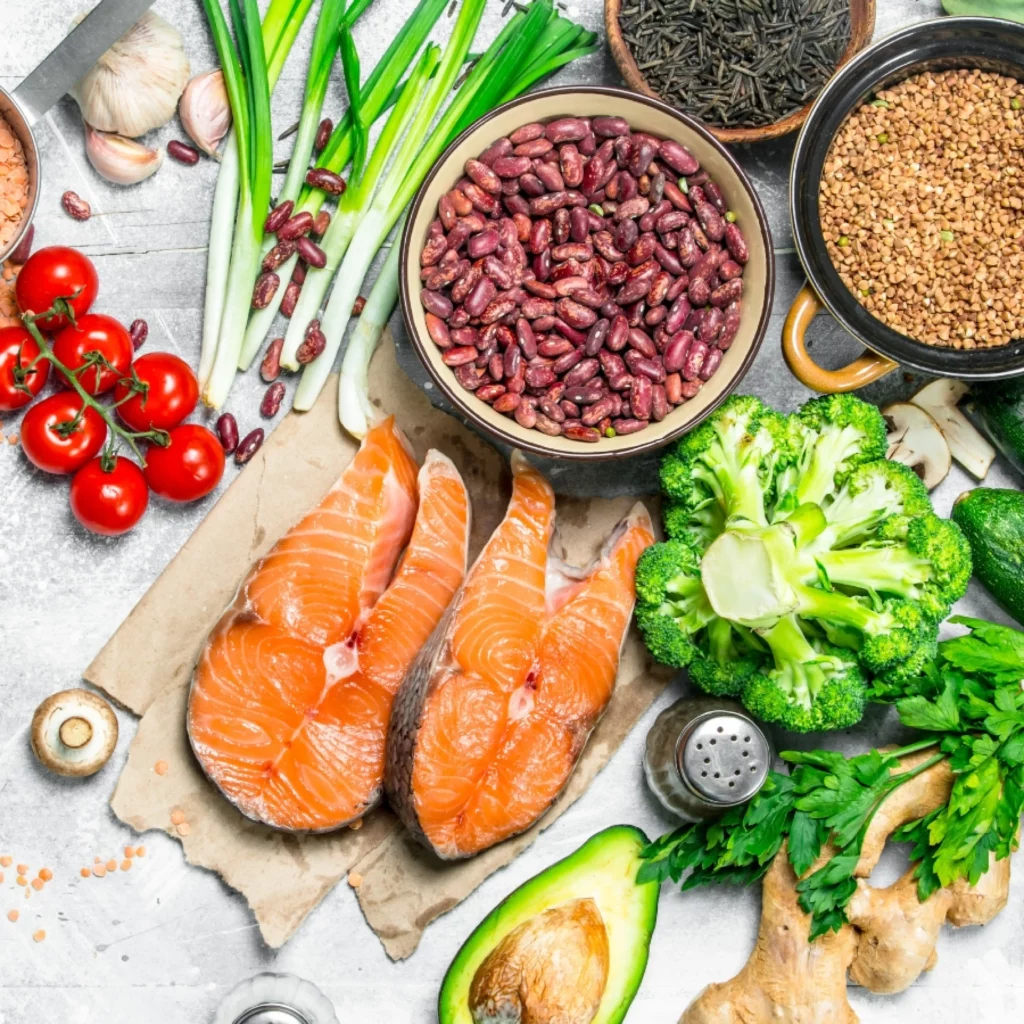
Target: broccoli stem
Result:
[[833, 447], [832, 606], [798, 664], [891, 570]]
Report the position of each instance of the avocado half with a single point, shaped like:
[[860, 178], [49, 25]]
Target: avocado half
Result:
[[603, 870]]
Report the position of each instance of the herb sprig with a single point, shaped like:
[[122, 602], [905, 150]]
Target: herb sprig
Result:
[[971, 706]]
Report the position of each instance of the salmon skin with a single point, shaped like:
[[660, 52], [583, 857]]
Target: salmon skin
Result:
[[290, 701], [495, 711]]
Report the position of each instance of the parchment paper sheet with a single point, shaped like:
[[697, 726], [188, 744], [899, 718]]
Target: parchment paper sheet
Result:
[[147, 664]]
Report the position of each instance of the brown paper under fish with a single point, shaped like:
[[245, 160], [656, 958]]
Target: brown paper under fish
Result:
[[148, 663]]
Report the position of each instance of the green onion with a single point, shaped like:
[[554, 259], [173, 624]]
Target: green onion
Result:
[[245, 73], [280, 28], [377, 94]]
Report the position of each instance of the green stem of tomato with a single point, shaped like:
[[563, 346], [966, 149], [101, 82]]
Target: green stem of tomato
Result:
[[60, 306]]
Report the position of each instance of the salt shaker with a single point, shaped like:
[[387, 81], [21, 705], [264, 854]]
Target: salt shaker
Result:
[[705, 755], [275, 999]]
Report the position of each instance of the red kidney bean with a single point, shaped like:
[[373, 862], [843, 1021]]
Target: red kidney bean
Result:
[[641, 365], [579, 224], [583, 394], [654, 316], [623, 150], [608, 127], [627, 426], [459, 355], [524, 226], [511, 361], [516, 204], [550, 176], [729, 270], [481, 199], [482, 175], [310, 252], [182, 152], [736, 244], [643, 153], [526, 338], [552, 347], [597, 336], [482, 243], [570, 162], [730, 326], [714, 195], [489, 392], [678, 157], [566, 129], [312, 345], [298, 225], [539, 376], [699, 291], [642, 343], [703, 243], [593, 414], [438, 331], [511, 166], [278, 216], [227, 432], [527, 133], [674, 388], [583, 372], [436, 303], [532, 185], [577, 337], [480, 297], [552, 409], [497, 308], [271, 404], [618, 335], [712, 324], [323, 135], [461, 203], [560, 225], [711, 363], [526, 413], [507, 403], [546, 425], [265, 289], [575, 314], [571, 409], [326, 181], [541, 289], [578, 432], [635, 207], [291, 298], [640, 397], [694, 360], [280, 253], [612, 364], [566, 362], [497, 272], [654, 214], [675, 352], [249, 446], [711, 221], [465, 284], [534, 148], [470, 377], [727, 293]]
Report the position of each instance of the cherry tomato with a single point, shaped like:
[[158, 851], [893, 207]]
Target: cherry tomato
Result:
[[95, 332], [172, 393], [52, 273], [19, 348], [189, 467], [110, 501], [46, 448]]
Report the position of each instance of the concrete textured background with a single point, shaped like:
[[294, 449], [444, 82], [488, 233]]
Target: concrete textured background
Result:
[[165, 942]]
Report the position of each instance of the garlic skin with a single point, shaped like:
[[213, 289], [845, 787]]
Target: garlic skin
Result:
[[135, 85], [205, 111], [120, 160]]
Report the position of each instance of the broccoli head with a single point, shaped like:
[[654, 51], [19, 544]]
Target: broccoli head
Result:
[[802, 566]]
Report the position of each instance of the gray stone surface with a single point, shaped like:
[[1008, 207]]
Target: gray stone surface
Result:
[[163, 943]]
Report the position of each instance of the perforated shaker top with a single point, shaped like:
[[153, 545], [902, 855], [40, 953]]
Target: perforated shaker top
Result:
[[272, 1013], [725, 758]]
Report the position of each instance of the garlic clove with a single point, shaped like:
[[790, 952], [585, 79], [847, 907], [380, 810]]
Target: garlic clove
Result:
[[205, 111], [120, 160], [135, 85]]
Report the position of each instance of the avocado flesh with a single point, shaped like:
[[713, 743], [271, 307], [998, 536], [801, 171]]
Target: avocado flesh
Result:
[[604, 870]]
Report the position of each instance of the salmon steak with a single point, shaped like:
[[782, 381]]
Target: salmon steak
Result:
[[496, 710], [291, 697]]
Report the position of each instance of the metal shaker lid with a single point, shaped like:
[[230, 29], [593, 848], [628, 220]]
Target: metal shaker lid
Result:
[[272, 1013], [724, 758]]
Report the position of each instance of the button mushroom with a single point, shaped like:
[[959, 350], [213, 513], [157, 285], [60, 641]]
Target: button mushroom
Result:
[[940, 399], [916, 441], [74, 732]]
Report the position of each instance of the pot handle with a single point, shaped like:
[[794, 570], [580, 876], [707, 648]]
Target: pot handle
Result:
[[863, 370]]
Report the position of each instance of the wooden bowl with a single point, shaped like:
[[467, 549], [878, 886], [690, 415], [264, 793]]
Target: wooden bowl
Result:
[[862, 26], [643, 114]]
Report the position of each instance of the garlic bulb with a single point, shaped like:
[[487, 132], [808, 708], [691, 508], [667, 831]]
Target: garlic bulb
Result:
[[120, 160], [205, 111], [135, 85]]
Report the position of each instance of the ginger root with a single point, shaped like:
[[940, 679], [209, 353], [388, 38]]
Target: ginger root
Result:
[[889, 942]]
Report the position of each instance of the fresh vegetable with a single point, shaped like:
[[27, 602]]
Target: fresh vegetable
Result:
[[205, 111], [799, 562], [188, 467], [162, 392], [74, 732], [17, 350], [941, 400], [915, 440], [999, 406], [570, 944], [971, 708], [993, 522], [53, 273], [120, 160], [109, 496], [61, 433], [97, 346], [134, 87]]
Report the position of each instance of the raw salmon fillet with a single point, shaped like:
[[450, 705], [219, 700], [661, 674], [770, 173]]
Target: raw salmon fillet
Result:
[[495, 712], [290, 701]]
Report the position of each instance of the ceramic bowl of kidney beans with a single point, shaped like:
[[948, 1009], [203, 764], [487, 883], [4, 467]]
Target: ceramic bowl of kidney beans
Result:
[[577, 284]]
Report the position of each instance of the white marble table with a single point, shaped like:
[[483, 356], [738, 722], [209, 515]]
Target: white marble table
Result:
[[162, 944]]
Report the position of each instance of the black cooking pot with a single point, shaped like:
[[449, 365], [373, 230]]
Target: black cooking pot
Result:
[[945, 44]]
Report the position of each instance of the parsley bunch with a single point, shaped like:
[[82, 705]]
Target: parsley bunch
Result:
[[971, 705]]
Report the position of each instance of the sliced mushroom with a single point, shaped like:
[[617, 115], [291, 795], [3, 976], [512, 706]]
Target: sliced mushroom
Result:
[[916, 441], [940, 399], [74, 732]]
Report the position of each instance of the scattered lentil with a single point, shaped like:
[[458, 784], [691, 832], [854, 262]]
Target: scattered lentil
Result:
[[112, 864], [126, 864], [183, 829], [140, 851], [355, 879], [948, 178], [13, 915], [37, 884], [177, 817], [46, 874], [38, 936], [86, 872], [161, 767]]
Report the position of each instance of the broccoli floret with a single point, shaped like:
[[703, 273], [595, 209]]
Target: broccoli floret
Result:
[[729, 459], [906, 678], [836, 433], [731, 658], [807, 688], [931, 565], [671, 603], [699, 526], [872, 494]]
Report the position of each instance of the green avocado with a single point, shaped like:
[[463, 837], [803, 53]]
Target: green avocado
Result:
[[602, 870], [993, 522]]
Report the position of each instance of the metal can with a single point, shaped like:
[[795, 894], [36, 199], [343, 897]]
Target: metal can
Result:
[[705, 755]]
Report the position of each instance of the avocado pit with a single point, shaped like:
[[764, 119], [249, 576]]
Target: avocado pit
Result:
[[551, 969]]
